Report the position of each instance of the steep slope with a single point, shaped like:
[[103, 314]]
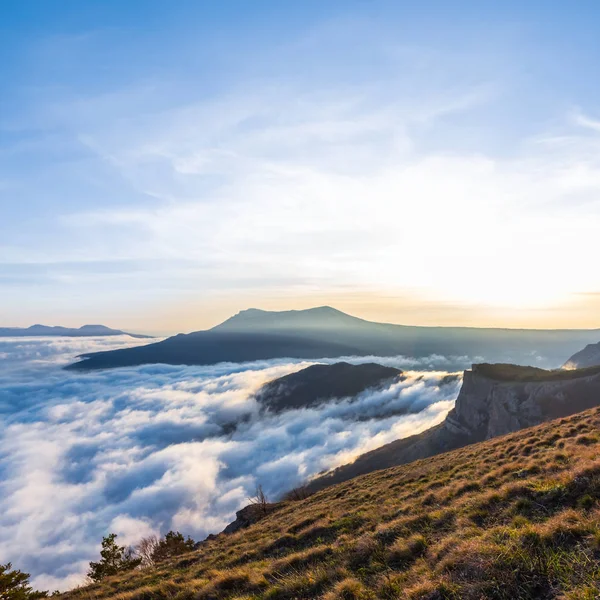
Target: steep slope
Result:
[[328, 333], [318, 383], [588, 357], [516, 517], [494, 400], [84, 331]]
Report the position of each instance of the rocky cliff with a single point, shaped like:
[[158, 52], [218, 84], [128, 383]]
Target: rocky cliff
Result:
[[494, 400]]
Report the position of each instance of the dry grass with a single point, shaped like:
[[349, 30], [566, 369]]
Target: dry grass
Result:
[[516, 517]]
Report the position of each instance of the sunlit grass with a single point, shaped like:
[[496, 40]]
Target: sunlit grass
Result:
[[516, 517]]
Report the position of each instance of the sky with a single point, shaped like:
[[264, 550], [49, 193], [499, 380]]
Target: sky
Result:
[[165, 165]]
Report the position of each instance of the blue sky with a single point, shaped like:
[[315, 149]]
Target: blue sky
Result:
[[163, 165]]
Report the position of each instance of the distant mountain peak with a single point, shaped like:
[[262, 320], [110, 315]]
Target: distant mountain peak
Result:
[[317, 317]]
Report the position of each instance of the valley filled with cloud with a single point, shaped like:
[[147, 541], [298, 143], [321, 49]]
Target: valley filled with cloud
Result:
[[148, 449]]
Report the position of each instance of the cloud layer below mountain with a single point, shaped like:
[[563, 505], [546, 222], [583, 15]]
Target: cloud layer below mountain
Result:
[[153, 448]]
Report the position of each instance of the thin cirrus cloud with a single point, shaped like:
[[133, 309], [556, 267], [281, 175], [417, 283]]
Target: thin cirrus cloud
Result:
[[150, 449]]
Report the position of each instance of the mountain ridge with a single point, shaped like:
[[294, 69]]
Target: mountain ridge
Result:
[[88, 330], [319, 383], [325, 332]]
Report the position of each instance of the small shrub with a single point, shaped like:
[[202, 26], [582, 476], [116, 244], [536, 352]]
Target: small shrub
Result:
[[586, 502]]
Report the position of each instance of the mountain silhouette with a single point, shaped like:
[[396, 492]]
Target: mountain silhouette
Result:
[[325, 332], [84, 331], [319, 383]]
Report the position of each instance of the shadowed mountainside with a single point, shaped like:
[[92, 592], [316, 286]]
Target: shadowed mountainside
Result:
[[516, 517], [325, 332], [84, 331], [494, 400], [318, 383], [588, 357]]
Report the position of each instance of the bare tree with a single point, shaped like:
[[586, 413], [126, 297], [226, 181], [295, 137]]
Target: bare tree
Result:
[[298, 493], [259, 499], [146, 548]]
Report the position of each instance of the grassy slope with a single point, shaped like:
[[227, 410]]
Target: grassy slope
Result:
[[514, 517]]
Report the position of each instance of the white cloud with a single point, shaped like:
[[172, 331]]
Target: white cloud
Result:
[[583, 120], [339, 187]]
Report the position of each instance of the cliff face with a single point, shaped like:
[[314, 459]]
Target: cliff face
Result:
[[488, 407], [489, 404], [588, 357]]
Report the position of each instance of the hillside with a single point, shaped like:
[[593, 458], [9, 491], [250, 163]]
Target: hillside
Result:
[[46, 331], [588, 357], [493, 400], [515, 517], [325, 332], [318, 383]]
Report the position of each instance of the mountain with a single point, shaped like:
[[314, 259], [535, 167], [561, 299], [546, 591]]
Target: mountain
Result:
[[318, 383], [588, 357], [84, 331], [325, 332], [515, 517], [494, 400]]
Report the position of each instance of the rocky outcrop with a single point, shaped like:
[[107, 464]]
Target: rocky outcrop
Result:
[[588, 357], [494, 400], [251, 514]]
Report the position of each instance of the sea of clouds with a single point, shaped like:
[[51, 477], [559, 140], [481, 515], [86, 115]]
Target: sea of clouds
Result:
[[144, 450]]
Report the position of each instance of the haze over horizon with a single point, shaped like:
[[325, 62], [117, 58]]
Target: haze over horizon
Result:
[[158, 334], [163, 167]]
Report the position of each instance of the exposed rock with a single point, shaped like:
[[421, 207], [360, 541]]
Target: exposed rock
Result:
[[251, 514]]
